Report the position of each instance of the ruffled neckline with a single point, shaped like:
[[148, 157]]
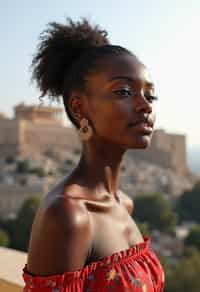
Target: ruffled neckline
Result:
[[116, 257]]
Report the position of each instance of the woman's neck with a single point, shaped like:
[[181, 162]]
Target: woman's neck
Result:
[[99, 166]]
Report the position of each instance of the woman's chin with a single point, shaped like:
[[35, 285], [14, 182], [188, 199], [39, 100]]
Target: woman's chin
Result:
[[141, 142]]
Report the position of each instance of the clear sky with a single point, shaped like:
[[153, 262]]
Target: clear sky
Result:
[[164, 34]]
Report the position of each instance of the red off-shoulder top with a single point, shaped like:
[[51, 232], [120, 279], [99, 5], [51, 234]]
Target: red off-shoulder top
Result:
[[136, 269]]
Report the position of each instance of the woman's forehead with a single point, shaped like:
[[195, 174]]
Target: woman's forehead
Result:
[[125, 67]]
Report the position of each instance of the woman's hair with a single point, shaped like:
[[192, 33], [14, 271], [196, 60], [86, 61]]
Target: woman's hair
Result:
[[66, 54]]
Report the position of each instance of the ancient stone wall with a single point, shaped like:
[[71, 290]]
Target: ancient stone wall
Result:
[[178, 152], [160, 140], [39, 138], [9, 137], [9, 132], [40, 114], [154, 155], [27, 137], [167, 150]]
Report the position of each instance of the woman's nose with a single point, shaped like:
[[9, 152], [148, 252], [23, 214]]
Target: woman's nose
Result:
[[142, 104]]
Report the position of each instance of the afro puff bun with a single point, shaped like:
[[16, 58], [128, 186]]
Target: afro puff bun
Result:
[[60, 46]]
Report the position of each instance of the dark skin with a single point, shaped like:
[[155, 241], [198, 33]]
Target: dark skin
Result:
[[75, 221]]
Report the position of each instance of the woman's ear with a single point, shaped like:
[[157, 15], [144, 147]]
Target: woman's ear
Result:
[[76, 107]]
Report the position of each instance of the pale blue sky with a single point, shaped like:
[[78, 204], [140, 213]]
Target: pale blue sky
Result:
[[163, 33]]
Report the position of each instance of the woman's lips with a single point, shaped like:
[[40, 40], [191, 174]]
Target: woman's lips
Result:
[[143, 127]]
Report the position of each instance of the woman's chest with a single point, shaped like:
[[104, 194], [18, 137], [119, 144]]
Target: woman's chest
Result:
[[112, 232]]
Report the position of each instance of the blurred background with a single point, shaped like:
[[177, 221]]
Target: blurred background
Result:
[[39, 146]]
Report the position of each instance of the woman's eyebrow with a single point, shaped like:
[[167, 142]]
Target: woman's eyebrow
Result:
[[123, 77], [130, 79]]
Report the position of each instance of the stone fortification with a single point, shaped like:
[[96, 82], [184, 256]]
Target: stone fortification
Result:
[[167, 150], [36, 129]]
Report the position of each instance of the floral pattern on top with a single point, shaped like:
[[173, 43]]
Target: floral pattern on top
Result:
[[136, 269]]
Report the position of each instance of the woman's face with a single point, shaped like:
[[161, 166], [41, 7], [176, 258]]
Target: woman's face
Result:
[[120, 103]]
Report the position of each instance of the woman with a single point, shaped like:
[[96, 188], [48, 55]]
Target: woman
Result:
[[83, 237]]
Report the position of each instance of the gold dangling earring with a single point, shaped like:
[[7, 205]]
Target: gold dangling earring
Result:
[[85, 132]]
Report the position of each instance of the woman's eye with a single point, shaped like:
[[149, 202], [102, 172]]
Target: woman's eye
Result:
[[124, 92], [150, 97]]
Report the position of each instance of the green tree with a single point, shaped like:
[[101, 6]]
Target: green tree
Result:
[[23, 166], [188, 205], [166, 266], [143, 227], [193, 238], [39, 171], [185, 276], [21, 227], [7, 225], [156, 211], [4, 238]]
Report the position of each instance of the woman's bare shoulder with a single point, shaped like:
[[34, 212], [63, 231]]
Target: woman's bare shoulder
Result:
[[61, 229], [127, 202]]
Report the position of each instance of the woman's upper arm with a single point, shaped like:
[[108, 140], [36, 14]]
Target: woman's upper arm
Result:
[[60, 240]]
